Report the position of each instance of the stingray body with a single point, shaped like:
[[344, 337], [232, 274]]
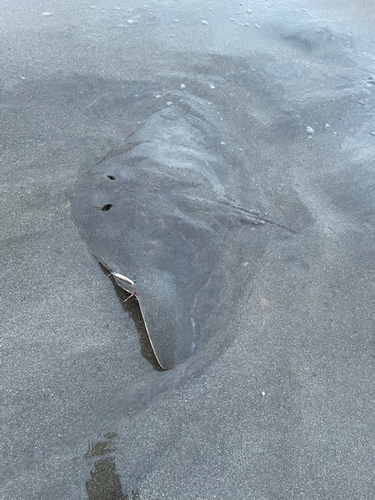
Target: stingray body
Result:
[[156, 209]]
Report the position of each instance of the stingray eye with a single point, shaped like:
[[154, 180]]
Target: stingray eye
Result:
[[110, 177], [107, 207]]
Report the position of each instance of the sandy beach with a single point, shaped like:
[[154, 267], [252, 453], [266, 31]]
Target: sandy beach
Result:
[[278, 403]]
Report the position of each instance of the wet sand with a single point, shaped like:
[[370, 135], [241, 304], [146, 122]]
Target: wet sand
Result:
[[280, 402]]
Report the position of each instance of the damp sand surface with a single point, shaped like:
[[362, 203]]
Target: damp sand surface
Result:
[[279, 401]]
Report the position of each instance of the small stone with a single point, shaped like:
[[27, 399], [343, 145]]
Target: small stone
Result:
[[23, 78], [222, 143], [327, 126], [249, 11], [46, 14], [182, 86], [257, 26], [263, 393], [372, 133], [204, 22], [169, 103], [130, 21], [212, 86], [310, 130]]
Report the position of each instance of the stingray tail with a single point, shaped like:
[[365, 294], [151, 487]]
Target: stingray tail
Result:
[[254, 216]]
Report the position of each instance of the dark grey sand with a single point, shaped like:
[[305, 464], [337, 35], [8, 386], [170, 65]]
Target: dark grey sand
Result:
[[280, 403]]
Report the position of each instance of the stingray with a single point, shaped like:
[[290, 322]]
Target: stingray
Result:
[[155, 212]]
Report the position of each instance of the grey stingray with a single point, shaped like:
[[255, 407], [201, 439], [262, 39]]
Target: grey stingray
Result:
[[155, 209]]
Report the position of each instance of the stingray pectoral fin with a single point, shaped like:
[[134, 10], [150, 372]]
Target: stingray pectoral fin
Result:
[[166, 317]]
